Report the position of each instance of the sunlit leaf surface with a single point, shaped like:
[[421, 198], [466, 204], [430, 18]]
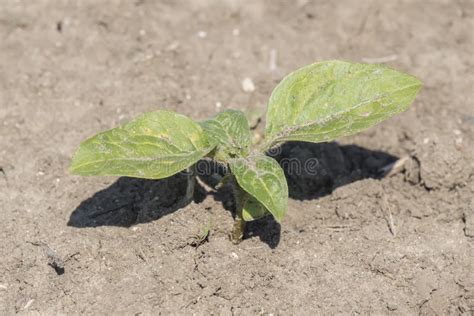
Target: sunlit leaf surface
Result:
[[263, 178], [155, 145], [326, 100], [229, 131]]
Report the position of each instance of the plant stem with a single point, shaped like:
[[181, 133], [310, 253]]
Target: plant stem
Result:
[[239, 223], [238, 230], [190, 185], [267, 145]]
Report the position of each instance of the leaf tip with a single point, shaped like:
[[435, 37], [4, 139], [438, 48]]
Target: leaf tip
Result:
[[74, 167], [415, 81], [278, 218]]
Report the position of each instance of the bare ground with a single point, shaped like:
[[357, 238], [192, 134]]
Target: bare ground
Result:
[[352, 242]]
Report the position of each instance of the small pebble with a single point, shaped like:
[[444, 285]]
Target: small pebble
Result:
[[66, 21], [234, 255], [218, 105], [236, 32], [392, 307], [202, 34], [173, 46], [248, 85], [28, 304], [273, 59]]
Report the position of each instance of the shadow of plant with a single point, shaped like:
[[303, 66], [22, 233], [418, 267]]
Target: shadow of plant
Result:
[[312, 171], [315, 170], [130, 201]]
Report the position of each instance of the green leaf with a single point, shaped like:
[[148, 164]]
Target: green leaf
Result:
[[326, 100], [155, 145], [253, 209], [230, 132], [262, 178]]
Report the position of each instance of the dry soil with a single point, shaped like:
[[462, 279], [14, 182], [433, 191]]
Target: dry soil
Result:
[[353, 242]]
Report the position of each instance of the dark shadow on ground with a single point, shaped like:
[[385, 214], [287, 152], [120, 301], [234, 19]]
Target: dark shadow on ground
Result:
[[131, 201], [267, 229], [315, 170], [312, 171]]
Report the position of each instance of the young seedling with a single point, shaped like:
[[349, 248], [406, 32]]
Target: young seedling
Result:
[[317, 103], [202, 237]]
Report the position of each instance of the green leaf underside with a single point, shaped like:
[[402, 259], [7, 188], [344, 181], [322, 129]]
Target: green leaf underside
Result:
[[262, 178], [229, 131], [253, 209], [326, 100], [155, 145]]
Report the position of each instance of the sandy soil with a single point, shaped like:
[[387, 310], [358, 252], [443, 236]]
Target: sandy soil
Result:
[[352, 243]]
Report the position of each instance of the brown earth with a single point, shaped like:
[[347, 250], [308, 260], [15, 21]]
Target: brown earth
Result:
[[352, 242]]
